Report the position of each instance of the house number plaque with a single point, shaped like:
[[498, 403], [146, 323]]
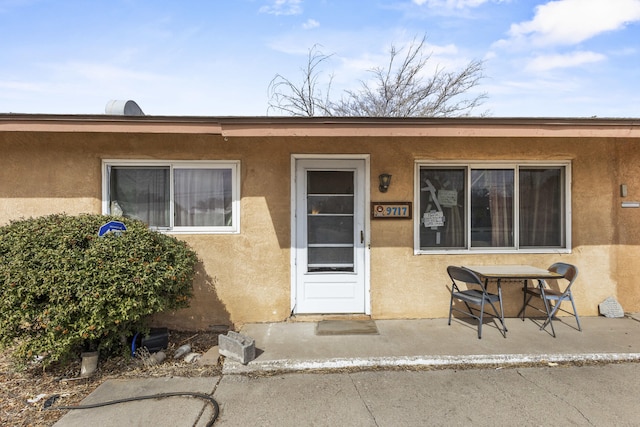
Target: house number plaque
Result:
[[390, 210]]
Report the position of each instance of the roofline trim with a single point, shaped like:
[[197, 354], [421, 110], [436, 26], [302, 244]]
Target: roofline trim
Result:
[[325, 126]]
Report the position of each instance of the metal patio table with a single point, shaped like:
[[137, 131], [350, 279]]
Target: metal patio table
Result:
[[514, 272]]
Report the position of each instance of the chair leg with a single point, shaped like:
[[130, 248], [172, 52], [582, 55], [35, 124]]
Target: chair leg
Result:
[[556, 308], [504, 327], [480, 319], [500, 317], [549, 312], [450, 308], [575, 313]]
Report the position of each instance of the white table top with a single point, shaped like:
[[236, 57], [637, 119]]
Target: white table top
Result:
[[512, 272]]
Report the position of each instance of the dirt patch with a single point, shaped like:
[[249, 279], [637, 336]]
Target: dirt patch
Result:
[[24, 390]]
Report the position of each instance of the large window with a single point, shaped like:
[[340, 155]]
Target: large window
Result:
[[493, 207], [174, 196]]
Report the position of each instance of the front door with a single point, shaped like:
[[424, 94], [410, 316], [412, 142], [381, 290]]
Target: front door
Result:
[[329, 236]]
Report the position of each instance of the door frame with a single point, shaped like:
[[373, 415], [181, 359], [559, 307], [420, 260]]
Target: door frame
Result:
[[367, 222]]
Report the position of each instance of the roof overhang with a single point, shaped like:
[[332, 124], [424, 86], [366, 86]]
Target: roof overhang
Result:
[[107, 124], [326, 126]]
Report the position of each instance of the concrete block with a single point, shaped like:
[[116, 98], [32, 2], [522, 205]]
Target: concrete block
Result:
[[237, 347]]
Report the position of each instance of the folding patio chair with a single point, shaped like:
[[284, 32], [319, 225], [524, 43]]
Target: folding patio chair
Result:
[[553, 298], [474, 297]]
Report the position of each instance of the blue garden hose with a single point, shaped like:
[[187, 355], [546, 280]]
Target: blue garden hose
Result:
[[133, 344]]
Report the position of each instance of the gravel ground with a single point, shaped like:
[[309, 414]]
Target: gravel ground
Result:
[[24, 390]]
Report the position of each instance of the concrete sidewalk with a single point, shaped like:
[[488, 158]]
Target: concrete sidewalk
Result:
[[174, 411], [431, 342], [294, 347]]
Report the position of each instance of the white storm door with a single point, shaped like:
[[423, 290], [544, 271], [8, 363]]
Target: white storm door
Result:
[[330, 236]]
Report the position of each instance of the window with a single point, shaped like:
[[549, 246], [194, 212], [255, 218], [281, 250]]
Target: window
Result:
[[493, 207], [330, 218], [189, 196]]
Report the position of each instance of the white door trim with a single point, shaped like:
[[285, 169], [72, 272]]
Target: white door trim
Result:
[[367, 219]]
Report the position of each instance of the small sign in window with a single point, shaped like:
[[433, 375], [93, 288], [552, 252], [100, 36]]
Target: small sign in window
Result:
[[433, 219], [448, 197]]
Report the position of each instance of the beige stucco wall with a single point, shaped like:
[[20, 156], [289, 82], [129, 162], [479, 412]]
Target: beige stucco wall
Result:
[[626, 262], [246, 277], [422, 290]]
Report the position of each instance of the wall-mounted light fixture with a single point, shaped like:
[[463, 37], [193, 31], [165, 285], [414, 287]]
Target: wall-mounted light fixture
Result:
[[385, 181]]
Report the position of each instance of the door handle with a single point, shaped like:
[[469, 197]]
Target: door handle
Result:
[[361, 236]]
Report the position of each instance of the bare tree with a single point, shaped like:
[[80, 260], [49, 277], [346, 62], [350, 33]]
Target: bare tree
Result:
[[395, 91], [306, 98]]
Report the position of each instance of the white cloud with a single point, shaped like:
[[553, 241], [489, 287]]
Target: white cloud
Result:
[[283, 7], [454, 4], [8, 5], [351, 68], [311, 23], [20, 86], [568, 22], [574, 59], [100, 72], [450, 49]]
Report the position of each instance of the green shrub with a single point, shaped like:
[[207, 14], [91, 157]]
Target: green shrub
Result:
[[63, 289]]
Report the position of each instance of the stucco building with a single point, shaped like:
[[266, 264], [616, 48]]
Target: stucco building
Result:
[[290, 217]]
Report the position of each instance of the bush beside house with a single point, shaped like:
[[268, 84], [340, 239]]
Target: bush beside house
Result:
[[64, 289]]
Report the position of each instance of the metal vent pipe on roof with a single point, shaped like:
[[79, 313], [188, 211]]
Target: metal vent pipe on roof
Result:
[[123, 108]]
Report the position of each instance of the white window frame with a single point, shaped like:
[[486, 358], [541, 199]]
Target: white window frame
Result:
[[234, 165], [513, 165]]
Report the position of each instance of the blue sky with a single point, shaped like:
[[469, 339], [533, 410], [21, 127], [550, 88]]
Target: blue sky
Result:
[[563, 58]]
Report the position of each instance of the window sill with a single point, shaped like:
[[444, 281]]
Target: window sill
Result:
[[485, 251], [183, 232]]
